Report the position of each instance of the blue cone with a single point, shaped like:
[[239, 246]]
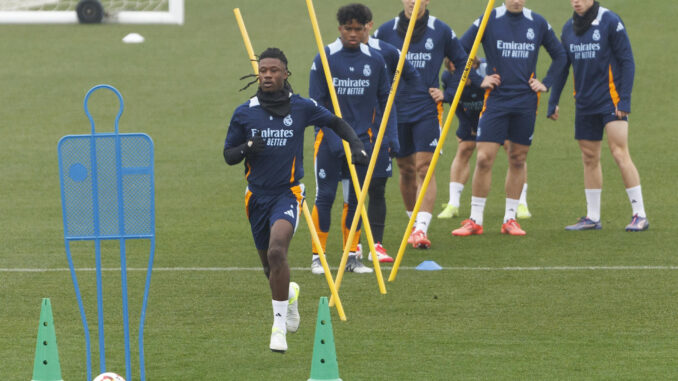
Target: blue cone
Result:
[[429, 266]]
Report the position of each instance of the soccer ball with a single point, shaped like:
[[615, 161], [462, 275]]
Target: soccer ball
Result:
[[108, 376]]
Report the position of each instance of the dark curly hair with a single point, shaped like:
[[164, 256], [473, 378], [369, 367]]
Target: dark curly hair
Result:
[[355, 11]]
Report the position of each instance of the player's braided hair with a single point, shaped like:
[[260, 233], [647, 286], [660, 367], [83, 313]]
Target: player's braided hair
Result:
[[269, 53]]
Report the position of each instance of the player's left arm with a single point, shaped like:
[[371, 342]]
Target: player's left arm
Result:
[[621, 49], [558, 55], [320, 116]]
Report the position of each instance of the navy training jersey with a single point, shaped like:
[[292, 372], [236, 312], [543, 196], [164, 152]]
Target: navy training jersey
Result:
[[603, 66], [426, 55], [362, 84], [511, 43], [280, 165], [472, 97]]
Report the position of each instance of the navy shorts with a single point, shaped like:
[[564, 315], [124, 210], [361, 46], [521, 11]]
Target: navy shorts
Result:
[[467, 131], [420, 136], [264, 209], [498, 125], [592, 126], [384, 165]]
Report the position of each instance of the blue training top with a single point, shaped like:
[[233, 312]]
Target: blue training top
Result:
[[426, 55], [511, 43], [280, 165], [362, 85], [603, 66]]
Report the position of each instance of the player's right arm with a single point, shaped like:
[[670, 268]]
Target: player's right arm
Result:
[[559, 80], [317, 85], [238, 145]]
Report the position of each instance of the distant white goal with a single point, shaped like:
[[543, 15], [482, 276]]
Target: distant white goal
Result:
[[92, 11]]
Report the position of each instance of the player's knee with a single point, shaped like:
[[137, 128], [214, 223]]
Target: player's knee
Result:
[[620, 154], [484, 161], [277, 256]]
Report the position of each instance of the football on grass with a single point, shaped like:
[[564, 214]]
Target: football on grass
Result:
[[109, 376]]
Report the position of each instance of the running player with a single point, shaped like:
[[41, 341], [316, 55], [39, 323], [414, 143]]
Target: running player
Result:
[[511, 42], [468, 113], [362, 85], [599, 50], [267, 132], [418, 120]]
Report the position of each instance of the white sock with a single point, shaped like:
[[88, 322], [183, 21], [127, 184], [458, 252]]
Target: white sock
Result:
[[280, 314], [423, 221], [593, 204], [510, 210], [455, 193], [290, 293], [523, 195], [636, 199], [477, 209], [409, 214]]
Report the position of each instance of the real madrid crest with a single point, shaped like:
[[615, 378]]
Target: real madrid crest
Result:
[[596, 35], [429, 44], [367, 70], [288, 120], [530, 34]]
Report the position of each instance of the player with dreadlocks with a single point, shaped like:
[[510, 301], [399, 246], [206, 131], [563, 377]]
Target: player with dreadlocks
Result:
[[267, 132]]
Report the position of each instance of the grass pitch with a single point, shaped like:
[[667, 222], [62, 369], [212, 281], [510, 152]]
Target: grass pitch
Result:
[[551, 305]]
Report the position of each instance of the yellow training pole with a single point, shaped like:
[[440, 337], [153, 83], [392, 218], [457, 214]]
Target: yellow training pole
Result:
[[307, 214], [443, 135], [246, 40], [347, 150]]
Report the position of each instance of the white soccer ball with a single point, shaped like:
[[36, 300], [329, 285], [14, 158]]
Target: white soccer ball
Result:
[[109, 376]]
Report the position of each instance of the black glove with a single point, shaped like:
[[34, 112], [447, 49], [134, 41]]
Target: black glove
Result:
[[255, 144], [358, 155]]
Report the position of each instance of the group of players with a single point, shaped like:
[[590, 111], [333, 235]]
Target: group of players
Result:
[[498, 107]]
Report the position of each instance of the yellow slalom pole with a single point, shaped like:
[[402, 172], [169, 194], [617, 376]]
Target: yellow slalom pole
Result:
[[307, 214], [246, 39], [443, 135], [347, 150]]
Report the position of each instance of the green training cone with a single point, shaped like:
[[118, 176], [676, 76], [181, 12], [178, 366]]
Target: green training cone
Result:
[[46, 365], [324, 365]]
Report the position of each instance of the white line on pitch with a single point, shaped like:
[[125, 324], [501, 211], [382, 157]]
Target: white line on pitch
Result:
[[223, 269]]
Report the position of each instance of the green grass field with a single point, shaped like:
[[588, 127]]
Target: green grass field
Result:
[[552, 305]]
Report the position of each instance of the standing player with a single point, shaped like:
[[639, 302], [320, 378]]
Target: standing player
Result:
[[417, 110], [376, 211], [468, 113], [511, 42], [362, 86], [268, 132], [599, 50]]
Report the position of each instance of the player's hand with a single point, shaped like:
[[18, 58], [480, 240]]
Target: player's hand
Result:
[[491, 81], [554, 116], [359, 155], [360, 158], [620, 114], [436, 94], [537, 86], [256, 144]]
